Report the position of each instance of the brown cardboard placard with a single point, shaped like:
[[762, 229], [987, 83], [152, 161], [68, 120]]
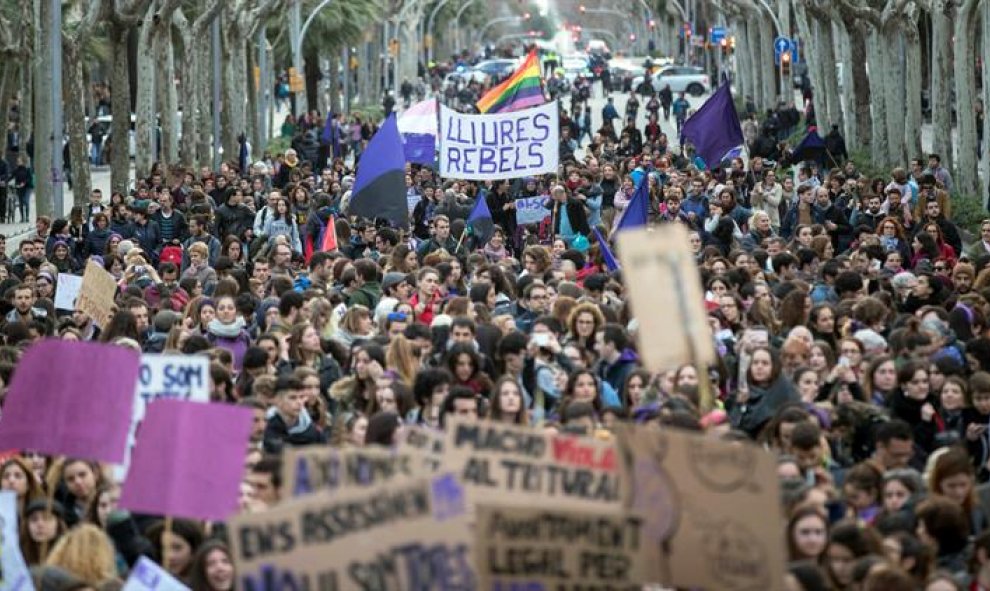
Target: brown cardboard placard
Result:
[[711, 509], [423, 443], [96, 294], [320, 469], [394, 536], [523, 466], [665, 293], [547, 548]]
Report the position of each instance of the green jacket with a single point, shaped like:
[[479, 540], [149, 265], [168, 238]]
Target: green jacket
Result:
[[368, 295]]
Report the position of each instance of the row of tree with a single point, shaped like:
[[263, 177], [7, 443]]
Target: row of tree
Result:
[[157, 57], [892, 53]]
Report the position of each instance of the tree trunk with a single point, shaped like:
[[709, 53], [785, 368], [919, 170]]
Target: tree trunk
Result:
[[966, 180], [912, 84], [813, 59], [844, 49], [43, 140], [878, 104], [826, 48], [74, 84], [893, 76], [234, 88], [120, 107], [168, 101], [311, 72], [985, 188], [753, 54], [860, 91], [768, 76], [144, 110], [940, 97]]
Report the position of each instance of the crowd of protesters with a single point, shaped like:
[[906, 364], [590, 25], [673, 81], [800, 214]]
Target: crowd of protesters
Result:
[[850, 317]]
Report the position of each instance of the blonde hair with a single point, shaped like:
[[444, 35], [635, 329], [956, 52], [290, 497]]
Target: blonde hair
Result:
[[198, 248], [86, 552], [401, 357]]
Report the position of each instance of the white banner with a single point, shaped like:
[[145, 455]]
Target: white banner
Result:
[[147, 575], [499, 146]]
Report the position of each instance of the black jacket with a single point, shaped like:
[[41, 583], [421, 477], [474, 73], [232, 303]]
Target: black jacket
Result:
[[277, 435], [575, 213]]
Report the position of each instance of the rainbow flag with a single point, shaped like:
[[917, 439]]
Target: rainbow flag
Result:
[[522, 90]]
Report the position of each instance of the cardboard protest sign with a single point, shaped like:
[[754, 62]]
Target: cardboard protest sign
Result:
[[666, 296], [165, 376], [71, 398], [711, 509], [531, 210], [310, 469], [424, 444], [499, 146], [546, 548], [514, 465], [14, 575], [67, 291], [397, 535], [147, 575], [189, 460], [96, 294]]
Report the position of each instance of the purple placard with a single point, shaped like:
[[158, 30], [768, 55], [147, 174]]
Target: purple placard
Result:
[[71, 398], [188, 460]]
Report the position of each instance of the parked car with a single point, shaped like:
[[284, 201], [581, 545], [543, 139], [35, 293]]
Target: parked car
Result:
[[498, 68], [687, 79], [623, 73]]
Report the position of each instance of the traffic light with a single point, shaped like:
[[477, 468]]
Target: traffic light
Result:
[[724, 44], [393, 47], [652, 24], [582, 8], [785, 63]]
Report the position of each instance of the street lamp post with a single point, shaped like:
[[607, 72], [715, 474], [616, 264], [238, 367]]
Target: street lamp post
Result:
[[456, 20], [297, 34]]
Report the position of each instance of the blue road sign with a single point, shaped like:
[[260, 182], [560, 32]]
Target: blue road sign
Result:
[[780, 45], [716, 35]]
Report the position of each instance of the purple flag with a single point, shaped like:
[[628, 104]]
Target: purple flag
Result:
[[379, 190], [610, 263], [714, 129], [637, 213], [189, 460], [71, 398]]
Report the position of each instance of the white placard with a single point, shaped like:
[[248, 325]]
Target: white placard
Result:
[[67, 291], [15, 576], [500, 146], [147, 575]]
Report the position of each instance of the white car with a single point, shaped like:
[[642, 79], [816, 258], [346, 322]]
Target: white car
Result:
[[687, 79]]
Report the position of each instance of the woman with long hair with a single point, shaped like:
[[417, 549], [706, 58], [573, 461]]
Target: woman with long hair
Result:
[[355, 392], [212, 568], [954, 477], [507, 402], [764, 391], [86, 552], [403, 260], [402, 358], [305, 350], [283, 223], [183, 539], [43, 523], [464, 363], [807, 534], [16, 476], [77, 483], [584, 322]]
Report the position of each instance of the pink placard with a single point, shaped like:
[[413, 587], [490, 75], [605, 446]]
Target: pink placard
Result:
[[188, 460], [71, 398]]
